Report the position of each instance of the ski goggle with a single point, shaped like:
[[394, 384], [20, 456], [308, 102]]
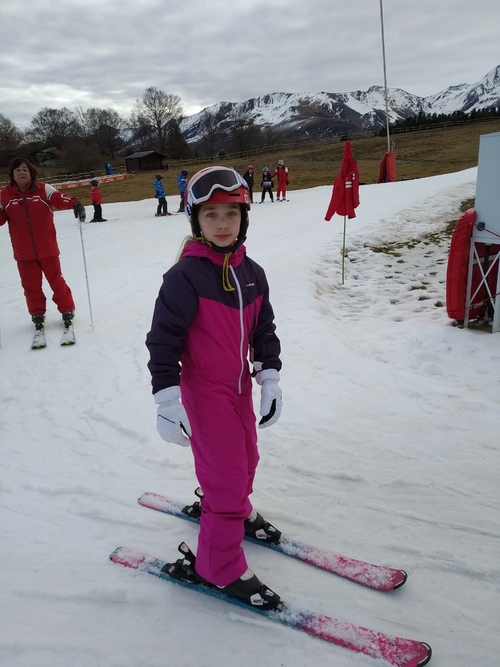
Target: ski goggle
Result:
[[204, 183]]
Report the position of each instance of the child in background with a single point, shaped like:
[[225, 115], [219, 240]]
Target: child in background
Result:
[[161, 195], [96, 201], [249, 178], [182, 182], [212, 312], [266, 184]]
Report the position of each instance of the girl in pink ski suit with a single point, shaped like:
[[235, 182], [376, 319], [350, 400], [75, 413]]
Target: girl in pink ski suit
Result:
[[213, 310]]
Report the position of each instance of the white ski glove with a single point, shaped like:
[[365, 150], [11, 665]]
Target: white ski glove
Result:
[[271, 400], [172, 421]]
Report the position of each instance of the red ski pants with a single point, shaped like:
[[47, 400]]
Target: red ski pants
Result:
[[224, 444], [32, 272]]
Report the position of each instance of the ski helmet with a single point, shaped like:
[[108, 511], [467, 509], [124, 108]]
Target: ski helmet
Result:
[[281, 163], [159, 177], [217, 185], [94, 182], [250, 166], [265, 169]]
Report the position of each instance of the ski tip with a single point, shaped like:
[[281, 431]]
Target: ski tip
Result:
[[404, 577], [115, 553], [426, 658]]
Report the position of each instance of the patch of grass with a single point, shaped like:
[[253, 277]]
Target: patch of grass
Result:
[[418, 155]]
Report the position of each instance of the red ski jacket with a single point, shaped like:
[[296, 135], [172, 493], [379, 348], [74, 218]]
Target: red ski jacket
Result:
[[30, 217], [95, 195], [283, 175]]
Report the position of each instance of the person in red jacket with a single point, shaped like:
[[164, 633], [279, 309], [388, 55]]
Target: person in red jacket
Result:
[[27, 206], [283, 177], [96, 201]]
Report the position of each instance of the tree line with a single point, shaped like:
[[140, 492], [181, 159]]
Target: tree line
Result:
[[422, 119], [78, 139]]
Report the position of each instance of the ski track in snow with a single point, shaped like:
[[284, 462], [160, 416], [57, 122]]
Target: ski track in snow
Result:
[[387, 449]]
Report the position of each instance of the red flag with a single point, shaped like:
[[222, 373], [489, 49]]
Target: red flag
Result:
[[387, 172], [345, 195]]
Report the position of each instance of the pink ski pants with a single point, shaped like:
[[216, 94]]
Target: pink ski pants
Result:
[[224, 444]]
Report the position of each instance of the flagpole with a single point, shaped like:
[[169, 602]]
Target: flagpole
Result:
[[343, 251], [385, 77]]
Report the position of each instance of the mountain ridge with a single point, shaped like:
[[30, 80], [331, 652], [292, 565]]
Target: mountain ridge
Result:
[[323, 114]]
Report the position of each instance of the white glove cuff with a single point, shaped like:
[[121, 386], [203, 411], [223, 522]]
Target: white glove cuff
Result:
[[269, 374], [168, 395]]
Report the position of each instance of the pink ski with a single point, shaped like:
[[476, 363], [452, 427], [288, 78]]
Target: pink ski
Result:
[[395, 651], [374, 576]]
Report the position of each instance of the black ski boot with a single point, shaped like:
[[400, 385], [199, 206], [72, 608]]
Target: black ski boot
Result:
[[38, 321], [194, 510], [248, 589], [258, 528], [262, 530], [183, 568], [68, 318]]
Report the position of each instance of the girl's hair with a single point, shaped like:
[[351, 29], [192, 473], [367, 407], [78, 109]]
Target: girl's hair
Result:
[[187, 240], [17, 162]]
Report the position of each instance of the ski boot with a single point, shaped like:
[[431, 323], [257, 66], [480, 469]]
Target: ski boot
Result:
[[256, 526], [38, 321], [248, 589], [68, 318]]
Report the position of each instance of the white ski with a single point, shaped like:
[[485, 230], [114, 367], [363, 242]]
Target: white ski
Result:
[[39, 340], [68, 337]]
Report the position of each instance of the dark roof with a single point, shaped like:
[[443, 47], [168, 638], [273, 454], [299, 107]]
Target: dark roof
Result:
[[143, 154]]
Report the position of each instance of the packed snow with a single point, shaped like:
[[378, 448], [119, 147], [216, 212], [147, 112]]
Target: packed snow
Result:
[[386, 450]]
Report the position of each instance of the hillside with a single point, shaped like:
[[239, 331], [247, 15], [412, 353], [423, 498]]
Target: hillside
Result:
[[419, 154]]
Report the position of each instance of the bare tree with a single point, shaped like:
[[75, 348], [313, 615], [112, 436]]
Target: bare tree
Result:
[[10, 138], [52, 126], [141, 132], [158, 108], [208, 127], [245, 134], [103, 127], [177, 145]]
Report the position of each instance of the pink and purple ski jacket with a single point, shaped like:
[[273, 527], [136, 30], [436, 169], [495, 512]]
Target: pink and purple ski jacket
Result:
[[209, 331]]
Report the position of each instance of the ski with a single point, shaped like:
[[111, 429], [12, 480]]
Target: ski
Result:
[[396, 651], [374, 576], [68, 337], [39, 340]]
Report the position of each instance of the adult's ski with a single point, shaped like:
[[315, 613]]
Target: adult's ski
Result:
[[68, 337], [396, 651], [374, 576], [39, 339]]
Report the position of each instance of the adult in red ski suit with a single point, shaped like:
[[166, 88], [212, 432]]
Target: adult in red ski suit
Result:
[[212, 310], [26, 205], [283, 177]]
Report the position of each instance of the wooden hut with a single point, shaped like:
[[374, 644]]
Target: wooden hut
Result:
[[145, 161]]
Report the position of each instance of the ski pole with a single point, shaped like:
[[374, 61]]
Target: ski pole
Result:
[[85, 267]]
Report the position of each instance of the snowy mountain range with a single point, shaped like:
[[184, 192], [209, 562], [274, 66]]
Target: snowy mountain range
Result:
[[300, 115]]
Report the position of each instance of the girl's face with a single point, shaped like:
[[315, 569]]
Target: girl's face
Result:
[[22, 176], [220, 223]]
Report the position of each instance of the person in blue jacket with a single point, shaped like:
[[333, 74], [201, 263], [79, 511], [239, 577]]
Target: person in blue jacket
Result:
[[161, 195], [182, 182]]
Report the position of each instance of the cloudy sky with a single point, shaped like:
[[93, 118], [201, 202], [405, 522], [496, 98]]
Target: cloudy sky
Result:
[[105, 53]]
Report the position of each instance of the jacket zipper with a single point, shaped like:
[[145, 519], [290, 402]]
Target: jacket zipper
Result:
[[29, 226], [242, 330]]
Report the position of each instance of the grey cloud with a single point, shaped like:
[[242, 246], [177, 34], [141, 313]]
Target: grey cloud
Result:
[[103, 54]]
